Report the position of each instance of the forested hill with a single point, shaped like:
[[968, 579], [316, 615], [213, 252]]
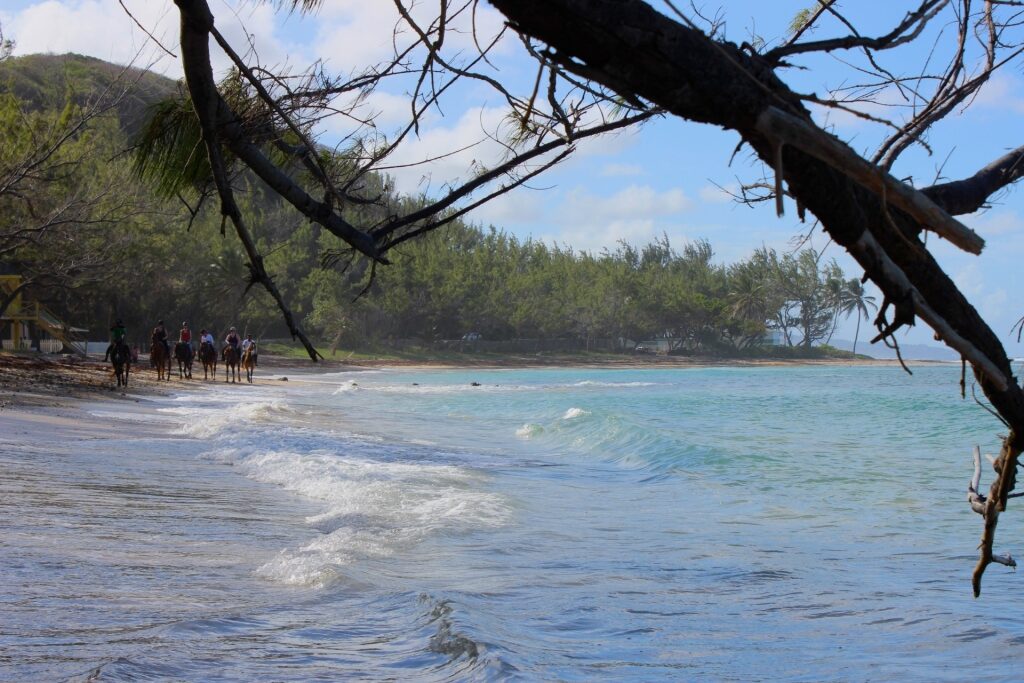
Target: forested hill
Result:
[[48, 82], [101, 245]]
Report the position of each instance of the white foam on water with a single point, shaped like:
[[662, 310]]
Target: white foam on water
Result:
[[130, 415], [529, 430], [209, 421], [615, 385], [351, 386], [447, 389], [573, 413], [370, 508]]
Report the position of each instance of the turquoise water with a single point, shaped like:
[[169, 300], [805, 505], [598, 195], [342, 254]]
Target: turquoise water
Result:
[[717, 524]]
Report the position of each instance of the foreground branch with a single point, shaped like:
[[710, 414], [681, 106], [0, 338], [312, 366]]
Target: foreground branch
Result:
[[991, 506], [970, 194], [810, 139]]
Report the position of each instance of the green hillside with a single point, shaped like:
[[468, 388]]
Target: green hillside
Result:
[[47, 82], [130, 254]]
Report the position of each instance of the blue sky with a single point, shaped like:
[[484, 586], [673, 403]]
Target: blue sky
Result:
[[636, 185]]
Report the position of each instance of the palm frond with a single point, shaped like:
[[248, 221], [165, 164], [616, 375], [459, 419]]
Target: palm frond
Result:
[[169, 151]]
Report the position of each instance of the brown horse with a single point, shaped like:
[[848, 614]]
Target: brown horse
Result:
[[121, 358], [183, 354], [208, 357], [230, 357], [160, 359], [248, 363]]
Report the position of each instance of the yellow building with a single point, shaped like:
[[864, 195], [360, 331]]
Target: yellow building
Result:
[[27, 325]]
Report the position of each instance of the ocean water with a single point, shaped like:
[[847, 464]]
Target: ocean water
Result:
[[718, 524]]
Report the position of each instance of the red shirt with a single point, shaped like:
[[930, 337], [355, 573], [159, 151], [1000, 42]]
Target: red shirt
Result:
[[186, 335]]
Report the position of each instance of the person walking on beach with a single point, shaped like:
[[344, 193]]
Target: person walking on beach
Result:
[[117, 337]]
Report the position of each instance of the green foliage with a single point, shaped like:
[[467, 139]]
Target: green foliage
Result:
[[169, 153], [161, 262]]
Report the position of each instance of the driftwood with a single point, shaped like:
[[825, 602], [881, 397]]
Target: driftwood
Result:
[[988, 507]]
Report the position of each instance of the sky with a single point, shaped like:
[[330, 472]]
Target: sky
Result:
[[667, 177]]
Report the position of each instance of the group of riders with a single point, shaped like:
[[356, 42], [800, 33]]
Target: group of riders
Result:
[[118, 333]]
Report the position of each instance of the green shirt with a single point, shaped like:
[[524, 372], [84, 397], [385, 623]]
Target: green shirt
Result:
[[118, 333]]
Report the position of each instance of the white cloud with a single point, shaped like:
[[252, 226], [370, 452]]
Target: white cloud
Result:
[[98, 28], [990, 301], [457, 148], [996, 223], [521, 207], [1002, 92], [606, 235], [354, 33], [713, 194], [621, 170], [636, 202], [102, 29]]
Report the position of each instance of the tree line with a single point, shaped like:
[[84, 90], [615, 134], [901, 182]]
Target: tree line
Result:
[[141, 256]]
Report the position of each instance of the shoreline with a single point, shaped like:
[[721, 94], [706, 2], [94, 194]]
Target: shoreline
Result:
[[59, 380], [34, 381]]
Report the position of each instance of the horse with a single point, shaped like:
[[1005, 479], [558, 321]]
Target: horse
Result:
[[208, 357], [121, 358], [160, 359], [248, 363], [183, 354], [230, 357]]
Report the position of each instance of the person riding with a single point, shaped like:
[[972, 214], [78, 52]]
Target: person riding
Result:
[[250, 343], [160, 335], [117, 337], [185, 337], [205, 337], [233, 340]]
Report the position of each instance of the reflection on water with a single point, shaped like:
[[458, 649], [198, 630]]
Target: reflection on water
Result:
[[716, 524]]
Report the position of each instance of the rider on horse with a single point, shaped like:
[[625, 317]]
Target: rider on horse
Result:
[[117, 336], [250, 343], [160, 335], [232, 340], [205, 338], [185, 337]]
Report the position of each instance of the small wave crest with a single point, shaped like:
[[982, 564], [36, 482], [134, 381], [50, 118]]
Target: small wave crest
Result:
[[371, 508], [345, 388], [529, 431], [209, 421]]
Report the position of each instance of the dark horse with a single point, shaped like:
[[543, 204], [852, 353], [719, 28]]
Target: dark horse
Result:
[[208, 357], [248, 363], [230, 355], [160, 359], [121, 357], [183, 354]]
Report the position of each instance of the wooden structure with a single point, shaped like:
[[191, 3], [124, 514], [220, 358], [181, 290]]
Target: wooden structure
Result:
[[27, 325]]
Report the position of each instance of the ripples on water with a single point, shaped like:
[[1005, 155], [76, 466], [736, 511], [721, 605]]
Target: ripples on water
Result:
[[713, 524]]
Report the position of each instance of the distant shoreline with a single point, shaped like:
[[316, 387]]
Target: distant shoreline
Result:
[[35, 380]]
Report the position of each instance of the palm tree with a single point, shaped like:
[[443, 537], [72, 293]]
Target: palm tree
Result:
[[853, 299]]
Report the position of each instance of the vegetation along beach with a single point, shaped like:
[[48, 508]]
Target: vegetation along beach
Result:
[[534, 340]]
